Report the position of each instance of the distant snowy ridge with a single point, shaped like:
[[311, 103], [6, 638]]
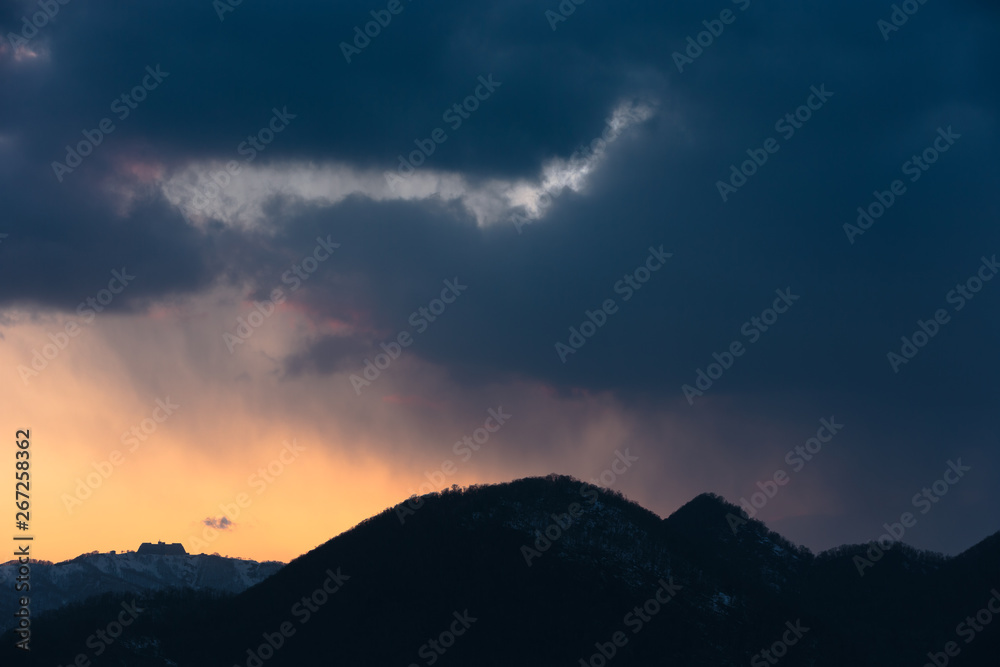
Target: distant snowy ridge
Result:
[[59, 584]]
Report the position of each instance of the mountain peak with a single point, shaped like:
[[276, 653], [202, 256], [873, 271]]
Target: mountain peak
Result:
[[161, 549], [707, 503]]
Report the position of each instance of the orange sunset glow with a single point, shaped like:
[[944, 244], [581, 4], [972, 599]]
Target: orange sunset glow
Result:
[[106, 488]]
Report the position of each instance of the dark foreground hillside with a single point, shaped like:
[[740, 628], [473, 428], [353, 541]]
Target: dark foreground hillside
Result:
[[470, 578]]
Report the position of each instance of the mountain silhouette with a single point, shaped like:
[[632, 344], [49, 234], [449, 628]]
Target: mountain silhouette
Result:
[[550, 571]]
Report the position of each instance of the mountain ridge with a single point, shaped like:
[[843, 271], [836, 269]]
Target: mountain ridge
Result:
[[569, 569]]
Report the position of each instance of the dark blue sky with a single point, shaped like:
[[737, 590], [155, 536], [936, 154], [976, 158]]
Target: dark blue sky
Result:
[[746, 158]]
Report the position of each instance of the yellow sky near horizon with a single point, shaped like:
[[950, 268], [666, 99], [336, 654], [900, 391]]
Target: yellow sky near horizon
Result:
[[96, 486]]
